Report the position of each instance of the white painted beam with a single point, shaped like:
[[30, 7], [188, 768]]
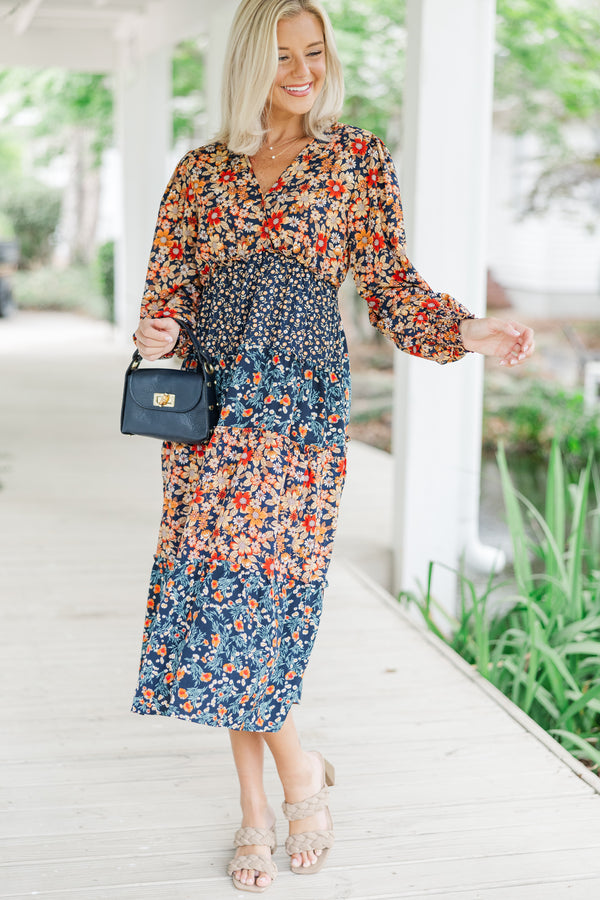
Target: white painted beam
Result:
[[437, 421], [219, 22], [144, 139], [87, 50], [23, 14]]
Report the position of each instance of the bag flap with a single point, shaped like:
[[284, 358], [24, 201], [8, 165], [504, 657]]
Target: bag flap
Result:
[[173, 390]]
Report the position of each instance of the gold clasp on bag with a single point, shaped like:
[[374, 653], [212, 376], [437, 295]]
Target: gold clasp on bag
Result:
[[164, 400]]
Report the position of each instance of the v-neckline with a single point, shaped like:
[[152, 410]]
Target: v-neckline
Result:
[[250, 167]]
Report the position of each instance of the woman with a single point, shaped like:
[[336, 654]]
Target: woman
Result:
[[255, 234]]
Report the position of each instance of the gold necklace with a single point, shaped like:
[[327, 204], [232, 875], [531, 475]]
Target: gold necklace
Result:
[[285, 144]]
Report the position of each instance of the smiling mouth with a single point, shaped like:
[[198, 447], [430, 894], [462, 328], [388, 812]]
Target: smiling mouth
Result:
[[300, 90]]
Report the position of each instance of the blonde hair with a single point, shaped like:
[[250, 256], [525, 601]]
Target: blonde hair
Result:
[[251, 65]]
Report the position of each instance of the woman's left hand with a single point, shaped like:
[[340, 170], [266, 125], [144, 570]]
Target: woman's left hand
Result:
[[510, 342]]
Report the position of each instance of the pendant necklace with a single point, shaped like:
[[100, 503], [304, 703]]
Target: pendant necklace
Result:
[[285, 144]]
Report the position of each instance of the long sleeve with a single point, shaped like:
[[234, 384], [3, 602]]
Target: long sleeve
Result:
[[172, 286], [401, 304]]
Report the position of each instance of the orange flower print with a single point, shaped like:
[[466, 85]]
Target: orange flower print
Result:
[[270, 689], [214, 216], [335, 188], [372, 177], [176, 251], [308, 478], [245, 672], [431, 304], [290, 675], [162, 651], [228, 667], [362, 239], [246, 456], [238, 625], [188, 707], [180, 674], [215, 640], [359, 146], [275, 222], [399, 275], [256, 378], [321, 243], [163, 238], [148, 693], [206, 676], [169, 677], [182, 693], [308, 374], [378, 242], [333, 377], [226, 177], [241, 500], [269, 566], [310, 523]]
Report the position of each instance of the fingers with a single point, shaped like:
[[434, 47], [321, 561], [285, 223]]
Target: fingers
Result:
[[522, 348], [155, 337]]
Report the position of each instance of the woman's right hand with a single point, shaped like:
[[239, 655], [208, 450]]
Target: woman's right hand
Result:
[[155, 337]]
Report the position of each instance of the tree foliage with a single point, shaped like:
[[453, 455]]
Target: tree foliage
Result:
[[548, 85], [187, 88], [371, 39]]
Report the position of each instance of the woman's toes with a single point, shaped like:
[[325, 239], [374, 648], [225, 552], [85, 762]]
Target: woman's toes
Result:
[[263, 880], [297, 860]]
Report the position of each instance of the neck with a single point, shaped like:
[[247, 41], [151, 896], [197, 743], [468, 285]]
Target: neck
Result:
[[284, 130]]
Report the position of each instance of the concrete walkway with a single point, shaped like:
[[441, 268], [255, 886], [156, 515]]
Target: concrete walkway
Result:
[[444, 789]]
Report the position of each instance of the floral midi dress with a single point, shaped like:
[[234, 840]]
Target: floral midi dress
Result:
[[249, 518]]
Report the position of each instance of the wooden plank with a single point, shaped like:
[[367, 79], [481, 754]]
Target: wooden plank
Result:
[[442, 790]]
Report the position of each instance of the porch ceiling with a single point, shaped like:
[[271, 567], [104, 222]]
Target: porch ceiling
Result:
[[83, 34]]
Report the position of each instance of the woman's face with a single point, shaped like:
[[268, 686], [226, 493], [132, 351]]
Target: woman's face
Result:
[[301, 70]]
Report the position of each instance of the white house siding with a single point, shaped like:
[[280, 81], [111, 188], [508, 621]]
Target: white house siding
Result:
[[549, 263]]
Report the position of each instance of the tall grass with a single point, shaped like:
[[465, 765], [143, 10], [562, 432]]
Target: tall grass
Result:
[[542, 648]]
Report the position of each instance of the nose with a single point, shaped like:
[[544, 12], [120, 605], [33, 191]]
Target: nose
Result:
[[301, 66]]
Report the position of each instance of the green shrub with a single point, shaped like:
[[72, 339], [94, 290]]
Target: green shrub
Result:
[[543, 651], [33, 210], [74, 290], [529, 415], [105, 265]]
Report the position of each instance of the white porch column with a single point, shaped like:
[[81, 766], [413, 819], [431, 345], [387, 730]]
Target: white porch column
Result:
[[144, 139], [219, 24], [437, 416]]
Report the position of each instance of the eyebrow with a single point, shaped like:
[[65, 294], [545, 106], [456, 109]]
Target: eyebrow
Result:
[[314, 44]]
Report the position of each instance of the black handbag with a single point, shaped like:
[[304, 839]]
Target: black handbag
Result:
[[171, 404]]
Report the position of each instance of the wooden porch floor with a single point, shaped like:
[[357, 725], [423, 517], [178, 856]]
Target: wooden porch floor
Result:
[[443, 788]]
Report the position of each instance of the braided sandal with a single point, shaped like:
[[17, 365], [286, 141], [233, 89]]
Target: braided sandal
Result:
[[243, 838], [311, 840]]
